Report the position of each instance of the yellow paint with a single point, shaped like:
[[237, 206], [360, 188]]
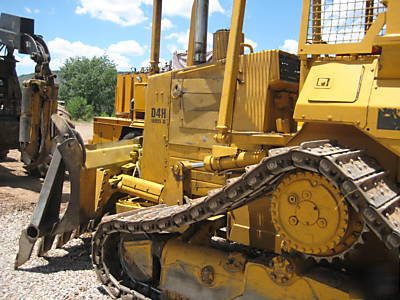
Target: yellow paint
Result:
[[258, 283], [43, 103], [130, 86], [140, 188], [183, 275], [252, 225], [113, 153], [231, 71], [228, 114], [334, 103]]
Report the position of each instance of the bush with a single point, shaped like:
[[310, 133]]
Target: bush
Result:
[[104, 114], [79, 109]]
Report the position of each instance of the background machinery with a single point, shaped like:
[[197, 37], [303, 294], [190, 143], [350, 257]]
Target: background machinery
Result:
[[223, 198], [129, 110], [25, 113]]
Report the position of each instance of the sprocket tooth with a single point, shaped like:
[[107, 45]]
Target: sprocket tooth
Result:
[[329, 259], [317, 258]]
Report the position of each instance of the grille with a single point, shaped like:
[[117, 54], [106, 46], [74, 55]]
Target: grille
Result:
[[289, 68], [341, 21]]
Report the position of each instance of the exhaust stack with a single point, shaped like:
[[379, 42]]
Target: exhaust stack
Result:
[[156, 36], [200, 39]]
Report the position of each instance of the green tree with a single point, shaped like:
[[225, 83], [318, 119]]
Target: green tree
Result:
[[92, 79], [79, 109]]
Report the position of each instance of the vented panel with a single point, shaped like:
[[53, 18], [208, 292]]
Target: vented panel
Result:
[[289, 68]]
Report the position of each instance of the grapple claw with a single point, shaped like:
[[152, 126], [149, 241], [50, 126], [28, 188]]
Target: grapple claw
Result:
[[46, 221]]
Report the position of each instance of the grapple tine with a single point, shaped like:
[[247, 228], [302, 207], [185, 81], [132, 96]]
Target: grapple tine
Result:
[[75, 234], [91, 225], [79, 230], [86, 227], [73, 159], [63, 238], [45, 245], [26, 245], [46, 211]]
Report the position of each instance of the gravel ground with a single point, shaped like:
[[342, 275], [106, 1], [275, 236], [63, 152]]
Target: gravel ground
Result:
[[64, 273]]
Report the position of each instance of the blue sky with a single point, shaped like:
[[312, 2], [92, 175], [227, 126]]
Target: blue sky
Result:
[[121, 28]]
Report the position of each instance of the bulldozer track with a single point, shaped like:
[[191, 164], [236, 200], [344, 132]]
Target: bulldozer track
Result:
[[361, 180]]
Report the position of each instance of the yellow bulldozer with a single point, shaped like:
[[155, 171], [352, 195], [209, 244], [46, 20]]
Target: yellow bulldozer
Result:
[[129, 110], [25, 113], [223, 197]]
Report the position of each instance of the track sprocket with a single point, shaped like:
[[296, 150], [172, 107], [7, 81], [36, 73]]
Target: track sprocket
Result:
[[313, 217]]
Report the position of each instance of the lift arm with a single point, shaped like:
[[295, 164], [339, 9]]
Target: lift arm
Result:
[[231, 72]]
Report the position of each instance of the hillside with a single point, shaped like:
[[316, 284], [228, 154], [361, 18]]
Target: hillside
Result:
[[24, 77]]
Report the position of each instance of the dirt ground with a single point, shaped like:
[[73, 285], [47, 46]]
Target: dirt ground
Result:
[[18, 190]]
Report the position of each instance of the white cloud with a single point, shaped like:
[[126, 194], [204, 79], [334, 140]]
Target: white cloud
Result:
[[215, 6], [30, 11], [61, 49], [182, 38], [172, 48], [127, 47], [120, 52], [25, 62], [130, 12], [146, 63], [122, 62], [166, 24], [250, 42], [184, 9], [290, 46], [210, 40], [122, 12]]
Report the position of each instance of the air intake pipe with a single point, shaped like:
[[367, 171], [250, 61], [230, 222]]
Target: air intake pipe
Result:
[[200, 38]]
